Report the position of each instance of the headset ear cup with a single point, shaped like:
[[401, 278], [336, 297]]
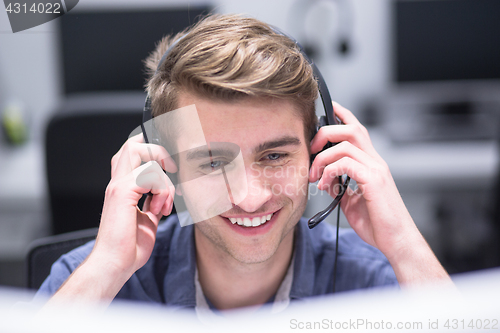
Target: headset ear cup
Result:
[[322, 121], [313, 156], [155, 139]]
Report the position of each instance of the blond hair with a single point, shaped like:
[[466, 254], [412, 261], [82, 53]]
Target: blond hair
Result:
[[229, 57]]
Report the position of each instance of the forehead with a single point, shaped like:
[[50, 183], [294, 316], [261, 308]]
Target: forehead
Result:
[[247, 122]]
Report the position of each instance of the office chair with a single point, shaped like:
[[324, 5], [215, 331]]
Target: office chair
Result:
[[45, 251], [80, 140]]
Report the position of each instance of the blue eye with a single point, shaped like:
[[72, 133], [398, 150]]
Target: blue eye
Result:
[[213, 166], [274, 156], [217, 164]]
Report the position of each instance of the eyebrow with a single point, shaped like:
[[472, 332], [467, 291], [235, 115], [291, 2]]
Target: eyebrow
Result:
[[204, 152], [281, 142]]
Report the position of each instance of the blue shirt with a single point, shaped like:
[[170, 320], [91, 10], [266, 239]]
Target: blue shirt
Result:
[[169, 275]]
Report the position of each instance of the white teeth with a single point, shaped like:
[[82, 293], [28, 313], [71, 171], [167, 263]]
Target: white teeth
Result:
[[247, 222], [254, 222]]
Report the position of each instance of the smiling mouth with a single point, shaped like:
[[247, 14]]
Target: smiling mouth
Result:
[[250, 222]]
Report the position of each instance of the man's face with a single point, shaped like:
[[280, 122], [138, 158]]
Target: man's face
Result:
[[270, 137]]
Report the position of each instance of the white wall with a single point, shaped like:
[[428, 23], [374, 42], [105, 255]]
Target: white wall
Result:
[[28, 72]]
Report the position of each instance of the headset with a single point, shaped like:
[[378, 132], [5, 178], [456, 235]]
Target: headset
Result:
[[324, 120]]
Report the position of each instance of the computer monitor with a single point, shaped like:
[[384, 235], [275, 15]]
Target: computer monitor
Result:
[[448, 40], [445, 70], [103, 50]]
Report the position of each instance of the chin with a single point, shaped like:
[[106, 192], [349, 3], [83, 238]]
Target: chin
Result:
[[253, 255], [249, 245]]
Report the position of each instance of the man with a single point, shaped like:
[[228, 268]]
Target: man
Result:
[[252, 88]]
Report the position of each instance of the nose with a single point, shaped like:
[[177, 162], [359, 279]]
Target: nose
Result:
[[259, 192]]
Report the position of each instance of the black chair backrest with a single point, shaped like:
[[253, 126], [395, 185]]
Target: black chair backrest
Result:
[[80, 141], [45, 251]]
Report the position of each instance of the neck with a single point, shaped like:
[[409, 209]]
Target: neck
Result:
[[229, 283]]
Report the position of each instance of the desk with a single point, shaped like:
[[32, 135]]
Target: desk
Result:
[[439, 164]]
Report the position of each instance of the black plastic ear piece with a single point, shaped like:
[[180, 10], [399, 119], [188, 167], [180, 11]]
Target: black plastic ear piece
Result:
[[319, 217]]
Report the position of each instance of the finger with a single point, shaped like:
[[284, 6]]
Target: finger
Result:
[[151, 177], [356, 135], [114, 160], [346, 116], [139, 138], [345, 166], [133, 154], [147, 226], [335, 153], [161, 197], [169, 203], [136, 138], [334, 188], [124, 191], [166, 209], [149, 216], [143, 184]]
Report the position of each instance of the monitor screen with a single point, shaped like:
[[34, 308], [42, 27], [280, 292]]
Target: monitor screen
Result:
[[446, 40], [104, 50]]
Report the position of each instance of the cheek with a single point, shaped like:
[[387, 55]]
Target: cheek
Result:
[[211, 231], [289, 181], [206, 197]]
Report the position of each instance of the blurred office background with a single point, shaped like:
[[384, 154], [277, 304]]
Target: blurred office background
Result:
[[423, 76]]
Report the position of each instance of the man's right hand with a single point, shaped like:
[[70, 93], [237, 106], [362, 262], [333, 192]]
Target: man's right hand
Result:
[[126, 234]]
